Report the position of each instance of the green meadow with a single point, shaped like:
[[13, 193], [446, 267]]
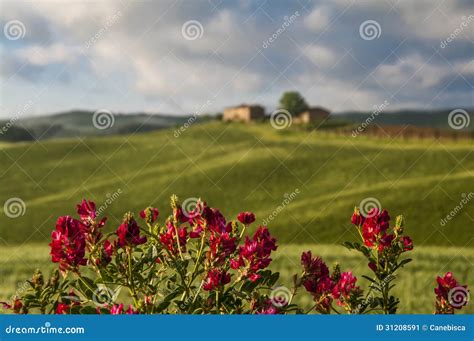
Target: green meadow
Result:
[[304, 183]]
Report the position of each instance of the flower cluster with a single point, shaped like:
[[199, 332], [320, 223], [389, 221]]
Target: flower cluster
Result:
[[254, 255], [324, 288], [198, 262], [450, 295], [383, 247]]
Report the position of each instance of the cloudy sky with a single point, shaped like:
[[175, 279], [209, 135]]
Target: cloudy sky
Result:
[[186, 56]]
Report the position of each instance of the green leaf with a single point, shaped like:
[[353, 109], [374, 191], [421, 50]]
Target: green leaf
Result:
[[88, 310]]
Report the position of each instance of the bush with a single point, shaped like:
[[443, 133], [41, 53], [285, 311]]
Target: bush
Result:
[[197, 262]]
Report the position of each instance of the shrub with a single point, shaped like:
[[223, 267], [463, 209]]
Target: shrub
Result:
[[197, 262]]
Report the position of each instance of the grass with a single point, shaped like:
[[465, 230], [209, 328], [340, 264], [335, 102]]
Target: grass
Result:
[[244, 167], [415, 285]]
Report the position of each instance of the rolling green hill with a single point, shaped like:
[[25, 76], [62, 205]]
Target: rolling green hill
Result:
[[80, 123], [245, 167]]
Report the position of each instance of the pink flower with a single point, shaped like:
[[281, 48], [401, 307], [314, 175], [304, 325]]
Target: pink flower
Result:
[[68, 244], [345, 287], [254, 255], [118, 310], [215, 278], [246, 218]]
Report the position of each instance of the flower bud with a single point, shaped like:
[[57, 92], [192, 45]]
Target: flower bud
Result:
[[357, 219], [37, 280]]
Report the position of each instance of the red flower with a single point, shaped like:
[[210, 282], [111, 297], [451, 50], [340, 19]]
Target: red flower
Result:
[[450, 294], [407, 243], [168, 239], [314, 266], [106, 254], [16, 307], [267, 308], [150, 214], [86, 209], [118, 310], [215, 278], [345, 287], [129, 233], [246, 218], [357, 218], [221, 246], [254, 255], [316, 280], [68, 244], [62, 308], [215, 221], [385, 242], [375, 226]]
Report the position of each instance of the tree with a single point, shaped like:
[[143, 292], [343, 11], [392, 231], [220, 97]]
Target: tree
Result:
[[293, 102]]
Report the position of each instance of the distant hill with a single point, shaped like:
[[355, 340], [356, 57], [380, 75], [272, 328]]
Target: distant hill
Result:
[[81, 124], [418, 118]]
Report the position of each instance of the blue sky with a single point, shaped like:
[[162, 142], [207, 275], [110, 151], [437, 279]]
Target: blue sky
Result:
[[138, 56]]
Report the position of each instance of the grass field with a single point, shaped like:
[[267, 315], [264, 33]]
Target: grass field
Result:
[[415, 285], [250, 167]]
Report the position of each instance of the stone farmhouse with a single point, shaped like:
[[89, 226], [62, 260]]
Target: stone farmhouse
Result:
[[311, 115], [247, 113], [244, 113]]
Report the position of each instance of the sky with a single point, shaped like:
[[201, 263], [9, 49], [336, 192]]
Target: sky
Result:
[[181, 57]]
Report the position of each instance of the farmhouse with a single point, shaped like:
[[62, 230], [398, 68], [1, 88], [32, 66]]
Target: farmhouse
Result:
[[312, 114], [244, 113]]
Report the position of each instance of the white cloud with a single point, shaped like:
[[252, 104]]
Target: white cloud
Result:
[[320, 55], [45, 55], [318, 19], [409, 72]]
